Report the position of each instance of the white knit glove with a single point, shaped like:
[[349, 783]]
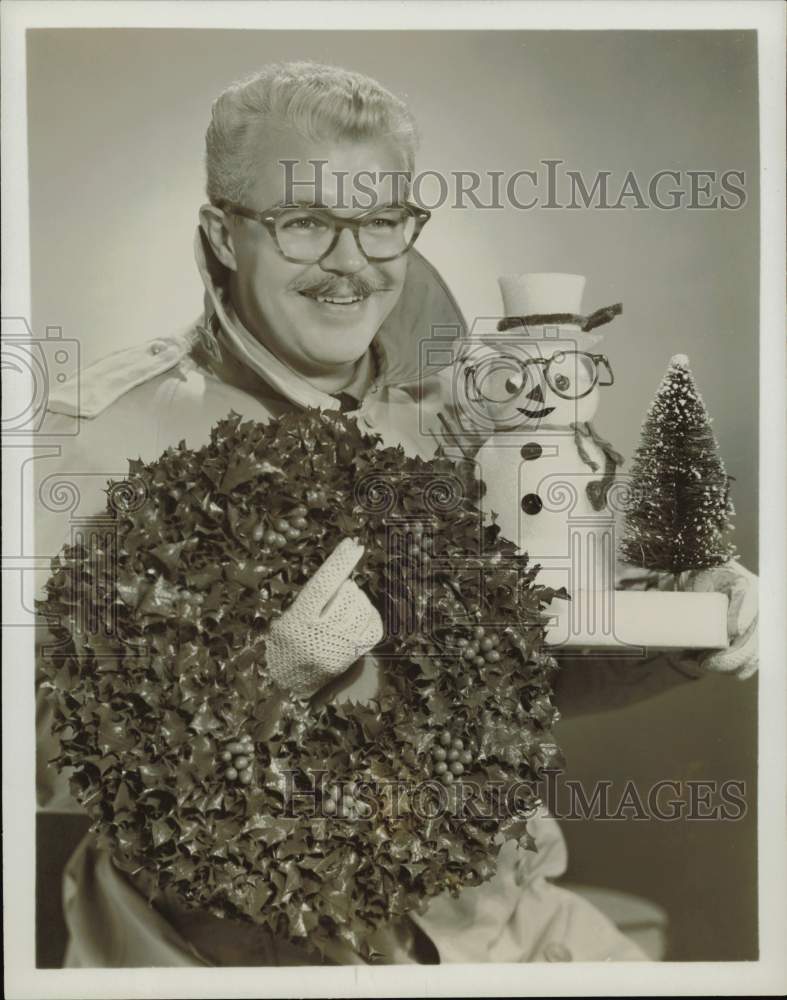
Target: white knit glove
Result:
[[329, 626], [741, 658]]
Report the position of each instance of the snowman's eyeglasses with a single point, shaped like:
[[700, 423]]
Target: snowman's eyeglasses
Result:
[[569, 374]]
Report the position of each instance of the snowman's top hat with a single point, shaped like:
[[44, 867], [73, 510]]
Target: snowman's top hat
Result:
[[549, 299], [542, 294]]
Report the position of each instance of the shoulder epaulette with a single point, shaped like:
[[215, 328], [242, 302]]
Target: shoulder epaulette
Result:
[[90, 391]]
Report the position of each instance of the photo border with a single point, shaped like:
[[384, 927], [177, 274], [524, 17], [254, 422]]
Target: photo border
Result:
[[769, 973]]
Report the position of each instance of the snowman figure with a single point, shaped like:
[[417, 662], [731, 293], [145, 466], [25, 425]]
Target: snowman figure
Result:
[[535, 387]]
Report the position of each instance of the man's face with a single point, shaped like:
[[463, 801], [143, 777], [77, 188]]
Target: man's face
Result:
[[287, 305]]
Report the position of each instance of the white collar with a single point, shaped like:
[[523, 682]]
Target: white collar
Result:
[[248, 349]]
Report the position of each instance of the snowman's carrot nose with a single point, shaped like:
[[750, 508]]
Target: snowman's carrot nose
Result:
[[536, 395]]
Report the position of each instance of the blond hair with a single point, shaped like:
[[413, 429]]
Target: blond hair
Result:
[[317, 101]]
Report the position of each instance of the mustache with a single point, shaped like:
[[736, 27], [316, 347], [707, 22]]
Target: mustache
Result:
[[349, 284]]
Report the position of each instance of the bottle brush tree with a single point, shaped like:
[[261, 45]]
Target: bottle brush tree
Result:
[[678, 517]]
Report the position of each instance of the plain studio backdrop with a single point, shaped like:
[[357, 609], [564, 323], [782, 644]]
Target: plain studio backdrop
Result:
[[116, 127]]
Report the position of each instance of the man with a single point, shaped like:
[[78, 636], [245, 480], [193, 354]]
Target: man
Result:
[[304, 307]]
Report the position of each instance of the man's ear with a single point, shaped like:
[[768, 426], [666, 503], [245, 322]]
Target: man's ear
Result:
[[214, 225]]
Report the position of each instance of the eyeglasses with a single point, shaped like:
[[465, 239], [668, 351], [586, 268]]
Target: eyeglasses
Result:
[[569, 374], [307, 235]]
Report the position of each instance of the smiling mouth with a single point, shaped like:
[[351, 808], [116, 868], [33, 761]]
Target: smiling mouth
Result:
[[536, 414], [335, 300]]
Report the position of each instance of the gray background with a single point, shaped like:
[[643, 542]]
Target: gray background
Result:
[[116, 127]]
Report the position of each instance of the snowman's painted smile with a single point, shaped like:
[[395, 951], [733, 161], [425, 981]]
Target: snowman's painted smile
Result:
[[536, 414]]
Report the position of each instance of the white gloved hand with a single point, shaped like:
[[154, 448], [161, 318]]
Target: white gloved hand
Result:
[[329, 626], [741, 658]]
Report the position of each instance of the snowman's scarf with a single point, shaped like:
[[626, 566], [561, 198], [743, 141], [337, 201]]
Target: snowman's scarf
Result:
[[597, 489]]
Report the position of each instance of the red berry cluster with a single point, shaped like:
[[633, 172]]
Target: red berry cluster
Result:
[[282, 529], [238, 758], [421, 543], [344, 804], [482, 648], [450, 758]]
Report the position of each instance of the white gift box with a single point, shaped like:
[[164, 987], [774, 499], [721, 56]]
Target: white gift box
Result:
[[654, 619]]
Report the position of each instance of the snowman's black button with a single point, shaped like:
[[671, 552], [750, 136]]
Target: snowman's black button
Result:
[[531, 503], [531, 451]]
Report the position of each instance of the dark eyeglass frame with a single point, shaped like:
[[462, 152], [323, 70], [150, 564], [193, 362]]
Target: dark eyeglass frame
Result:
[[269, 216], [597, 359]]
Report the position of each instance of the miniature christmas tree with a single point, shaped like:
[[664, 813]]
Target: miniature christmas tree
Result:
[[678, 517]]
